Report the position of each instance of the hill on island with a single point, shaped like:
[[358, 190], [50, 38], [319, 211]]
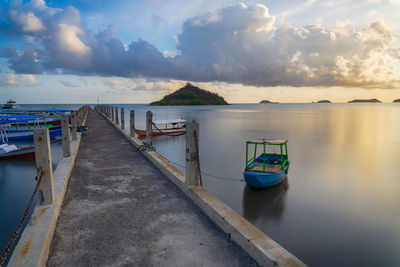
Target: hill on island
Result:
[[267, 102], [373, 100], [396, 100], [190, 95], [324, 101]]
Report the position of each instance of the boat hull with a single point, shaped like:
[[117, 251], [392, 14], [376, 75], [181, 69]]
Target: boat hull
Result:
[[23, 152], [142, 133], [29, 135], [264, 180]]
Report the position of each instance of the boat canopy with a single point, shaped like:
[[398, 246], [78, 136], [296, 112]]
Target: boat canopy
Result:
[[13, 121], [169, 121], [268, 141], [19, 116]]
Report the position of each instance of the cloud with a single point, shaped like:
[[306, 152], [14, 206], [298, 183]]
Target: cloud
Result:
[[12, 79], [236, 44], [68, 83]]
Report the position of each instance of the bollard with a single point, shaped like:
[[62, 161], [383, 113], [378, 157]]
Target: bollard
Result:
[[116, 116], [65, 137], [192, 161], [74, 126], [149, 128], [122, 119], [43, 162], [132, 124], [112, 114]]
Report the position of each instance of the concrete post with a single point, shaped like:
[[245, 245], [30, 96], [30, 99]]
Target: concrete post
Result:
[[132, 124], [116, 116], [112, 114], [41, 141], [192, 167], [149, 128], [122, 119], [65, 137], [74, 125]]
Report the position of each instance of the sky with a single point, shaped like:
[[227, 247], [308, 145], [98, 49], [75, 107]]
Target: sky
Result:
[[127, 51]]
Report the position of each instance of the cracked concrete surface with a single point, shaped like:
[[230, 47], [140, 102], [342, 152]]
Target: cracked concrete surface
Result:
[[119, 210]]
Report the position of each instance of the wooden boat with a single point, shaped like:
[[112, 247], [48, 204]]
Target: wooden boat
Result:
[[266, 169], [165, 127], [12, 151], [28, 135]]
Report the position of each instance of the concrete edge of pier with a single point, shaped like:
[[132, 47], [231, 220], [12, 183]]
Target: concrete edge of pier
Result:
[[264, 250], [33, 247]]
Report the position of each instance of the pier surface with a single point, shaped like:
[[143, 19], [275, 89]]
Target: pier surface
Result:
[[119, 209]]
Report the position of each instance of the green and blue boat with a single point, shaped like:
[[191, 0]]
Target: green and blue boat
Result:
[[269, 168]]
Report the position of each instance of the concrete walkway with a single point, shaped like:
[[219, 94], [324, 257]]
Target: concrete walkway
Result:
[[119, 210]]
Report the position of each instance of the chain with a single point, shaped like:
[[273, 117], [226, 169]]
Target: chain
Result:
[[5, 253], [196, 139]]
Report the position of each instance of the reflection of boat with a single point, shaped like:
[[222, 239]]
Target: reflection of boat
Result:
[[267, 169], [10, 104], [165, 127], [267, 203]]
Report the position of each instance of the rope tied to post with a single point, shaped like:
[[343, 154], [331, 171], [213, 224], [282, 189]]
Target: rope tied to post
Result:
[[14, 237], [196, 139]]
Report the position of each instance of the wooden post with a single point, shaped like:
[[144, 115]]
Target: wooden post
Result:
[[65, 137], [149, 128], [74, 125], [122, 119], [132, 124], [116, 116], [112, 114], [192, 167], [43, 162]]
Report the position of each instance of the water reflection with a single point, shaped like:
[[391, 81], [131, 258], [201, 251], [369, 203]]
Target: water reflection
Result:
[[265, 204]]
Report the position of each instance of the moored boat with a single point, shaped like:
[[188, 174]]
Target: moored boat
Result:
[[165, 127], [268, 168], [10, 104], [13, 152]]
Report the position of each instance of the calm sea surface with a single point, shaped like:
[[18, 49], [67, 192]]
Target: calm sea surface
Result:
[[341, 203]]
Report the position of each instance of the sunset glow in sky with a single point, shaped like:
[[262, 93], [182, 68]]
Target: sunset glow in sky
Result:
[[126, 51]]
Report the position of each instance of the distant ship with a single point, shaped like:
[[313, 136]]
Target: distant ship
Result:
[[11, 104]]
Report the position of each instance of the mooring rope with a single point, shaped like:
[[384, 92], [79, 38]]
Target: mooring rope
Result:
[[204, 173], [14, 237]]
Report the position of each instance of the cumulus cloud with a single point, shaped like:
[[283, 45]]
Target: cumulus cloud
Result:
[[12, 79], [235, 44]]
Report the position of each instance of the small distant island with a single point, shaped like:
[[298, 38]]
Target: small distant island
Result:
[[373, 100], [190, 95], [324, 101], [396, 100], [268, 102]]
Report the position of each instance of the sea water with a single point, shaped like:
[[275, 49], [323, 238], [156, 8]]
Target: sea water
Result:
[[341, 203]]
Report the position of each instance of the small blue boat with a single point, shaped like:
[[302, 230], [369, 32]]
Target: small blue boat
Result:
[[268, 168]]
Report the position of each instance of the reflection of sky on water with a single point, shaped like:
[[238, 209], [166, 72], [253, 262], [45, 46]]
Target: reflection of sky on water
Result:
[[343, 205]]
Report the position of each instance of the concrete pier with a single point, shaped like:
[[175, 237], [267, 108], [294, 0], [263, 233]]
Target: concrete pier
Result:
[[119, 209]]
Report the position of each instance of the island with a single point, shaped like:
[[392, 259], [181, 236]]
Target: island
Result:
[[396, 100], [190, 95], [373, 100], [324, 101], [268, 102]]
